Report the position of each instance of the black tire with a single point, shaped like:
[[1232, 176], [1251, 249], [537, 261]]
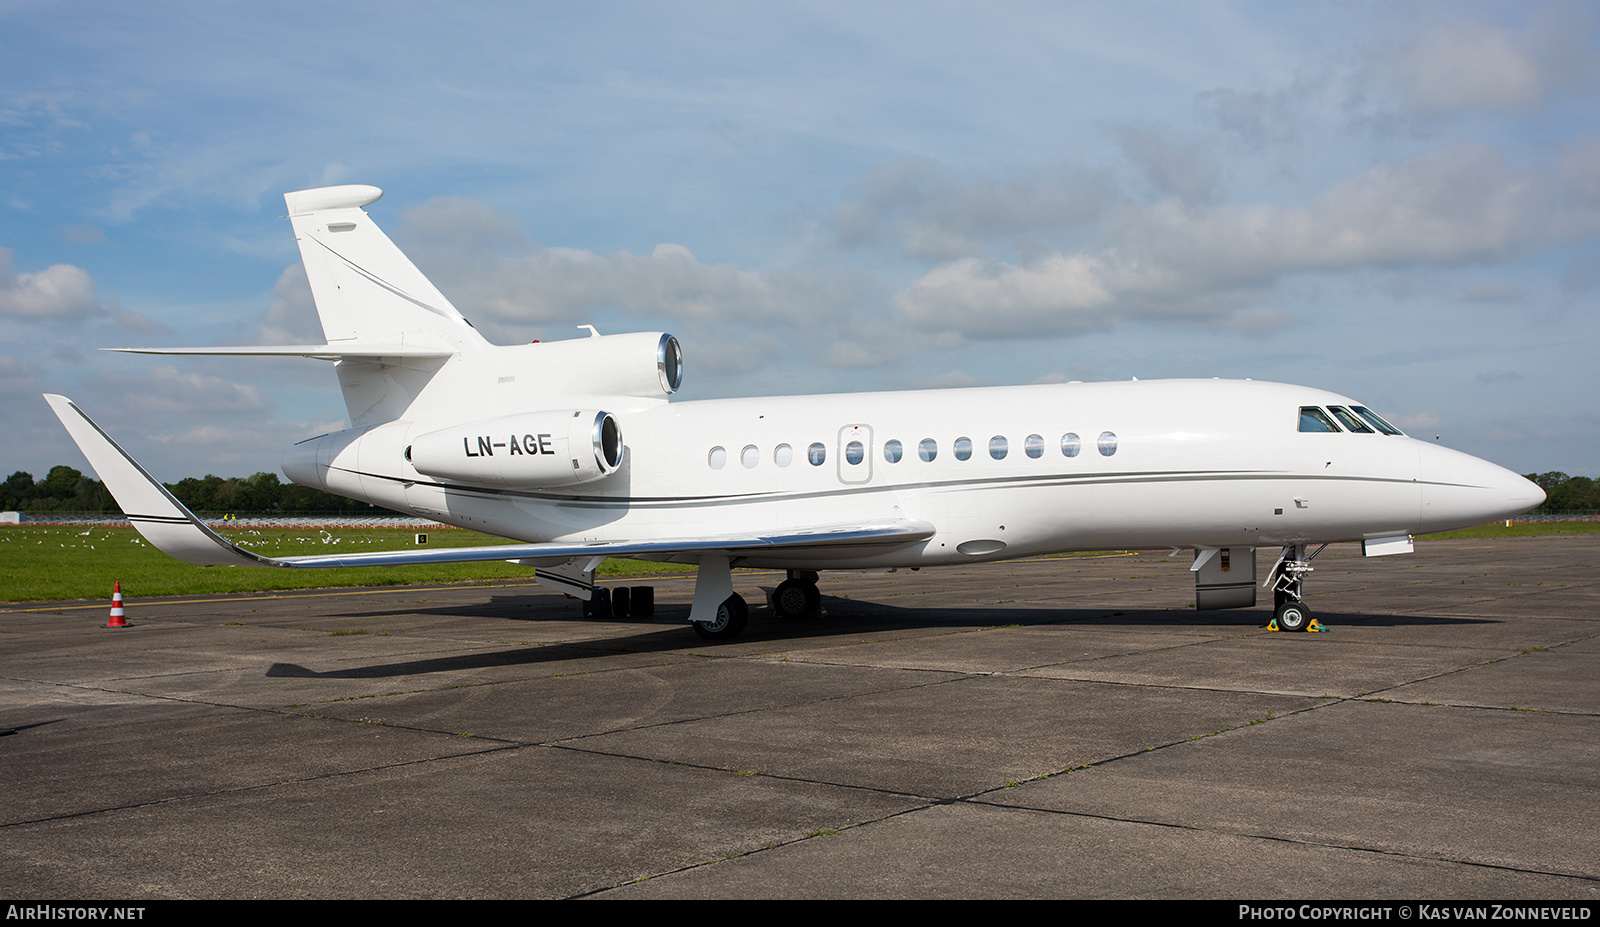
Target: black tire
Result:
[[1292, 616], [732, 616], [599, 604], [620, 602], [644, 601], [796, 598]]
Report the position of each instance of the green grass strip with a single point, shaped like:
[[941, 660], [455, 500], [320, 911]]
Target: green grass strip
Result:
[[55, 563]]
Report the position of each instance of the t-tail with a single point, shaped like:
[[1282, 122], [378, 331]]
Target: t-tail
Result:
[[369, 296], [403, 352]]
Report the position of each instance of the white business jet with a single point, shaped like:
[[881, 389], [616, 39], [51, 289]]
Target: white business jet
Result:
[[572, 449]]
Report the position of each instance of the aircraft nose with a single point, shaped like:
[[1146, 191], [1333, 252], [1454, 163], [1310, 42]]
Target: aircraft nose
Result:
[[1459, 490]]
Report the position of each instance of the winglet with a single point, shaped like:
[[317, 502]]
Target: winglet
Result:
[[160, 517]]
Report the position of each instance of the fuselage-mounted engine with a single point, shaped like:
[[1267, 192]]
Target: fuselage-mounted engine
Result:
[[529, 450]]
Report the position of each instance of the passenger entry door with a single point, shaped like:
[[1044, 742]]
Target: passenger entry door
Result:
[[855, 454]]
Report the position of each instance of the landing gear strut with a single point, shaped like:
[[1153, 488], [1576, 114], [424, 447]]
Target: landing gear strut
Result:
[[1289, 613], [797, 596]]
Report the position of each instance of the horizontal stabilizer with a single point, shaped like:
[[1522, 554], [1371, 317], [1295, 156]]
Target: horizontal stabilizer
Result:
[[319, 351], [167, 524]]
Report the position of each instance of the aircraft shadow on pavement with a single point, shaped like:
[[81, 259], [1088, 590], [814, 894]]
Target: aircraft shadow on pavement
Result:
[[668, 631], [865, 614]]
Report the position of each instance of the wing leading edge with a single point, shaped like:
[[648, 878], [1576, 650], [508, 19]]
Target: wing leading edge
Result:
[[178, 532]]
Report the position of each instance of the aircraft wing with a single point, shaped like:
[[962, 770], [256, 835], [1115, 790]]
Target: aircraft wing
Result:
[[732, 545], [166, 523]]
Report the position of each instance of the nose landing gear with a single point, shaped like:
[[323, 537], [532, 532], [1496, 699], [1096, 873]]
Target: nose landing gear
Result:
[[1289, 613]]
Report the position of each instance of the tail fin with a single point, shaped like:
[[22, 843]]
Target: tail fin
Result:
[[366, 289], [368, 292]]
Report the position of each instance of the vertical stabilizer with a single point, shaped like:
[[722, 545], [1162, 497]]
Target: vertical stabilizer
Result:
[[366, 289], [368, 292]]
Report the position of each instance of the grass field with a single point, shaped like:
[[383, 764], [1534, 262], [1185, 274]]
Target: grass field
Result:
[[53, 563], [56, 563], [1499, 530]]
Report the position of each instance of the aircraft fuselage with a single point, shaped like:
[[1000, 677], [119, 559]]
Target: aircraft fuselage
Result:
[[1158, 463]]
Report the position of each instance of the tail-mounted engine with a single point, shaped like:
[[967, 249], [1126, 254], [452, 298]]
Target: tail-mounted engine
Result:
[[527, 450], [642, 365]]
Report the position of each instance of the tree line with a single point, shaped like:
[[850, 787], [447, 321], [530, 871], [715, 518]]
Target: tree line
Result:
[[65, 489], [1566, 493]]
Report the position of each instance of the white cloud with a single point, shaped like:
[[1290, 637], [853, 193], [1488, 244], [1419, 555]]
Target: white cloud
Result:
[[954, 379], [1172, 262], [1422, 424], [292, 316], [166, 393], [1172, 166], [484, 263], [1062, 294], [60, 291], [1467, 65], [931, 214]]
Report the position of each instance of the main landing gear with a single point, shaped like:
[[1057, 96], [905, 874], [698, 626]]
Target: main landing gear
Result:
[[797, 596], [720, 614], [1288, 612], [732, 615]]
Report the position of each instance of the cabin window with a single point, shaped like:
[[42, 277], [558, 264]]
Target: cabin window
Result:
[[718, 458], [1070, 445], [1349, 420], [1314, 419], [783, 455], [854, 453], [893, 451], [963, 448], [1107, 443], [750, 456], [997, 447], [1034, 446], [817, 454], [928, 450], [1376, 421]]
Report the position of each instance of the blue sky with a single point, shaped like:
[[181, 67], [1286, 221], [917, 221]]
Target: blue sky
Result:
[[1400, 202]]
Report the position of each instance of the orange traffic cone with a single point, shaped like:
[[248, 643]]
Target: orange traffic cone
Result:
[[118, 617]]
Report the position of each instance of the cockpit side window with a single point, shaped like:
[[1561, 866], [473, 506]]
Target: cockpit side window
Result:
[[1349, 420], [1314, 419], [1376, 421]]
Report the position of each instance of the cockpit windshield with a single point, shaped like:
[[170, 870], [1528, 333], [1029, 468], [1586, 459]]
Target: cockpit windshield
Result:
[[1377, 422], [1349, 420], [1314, 419], [1355, 419]]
